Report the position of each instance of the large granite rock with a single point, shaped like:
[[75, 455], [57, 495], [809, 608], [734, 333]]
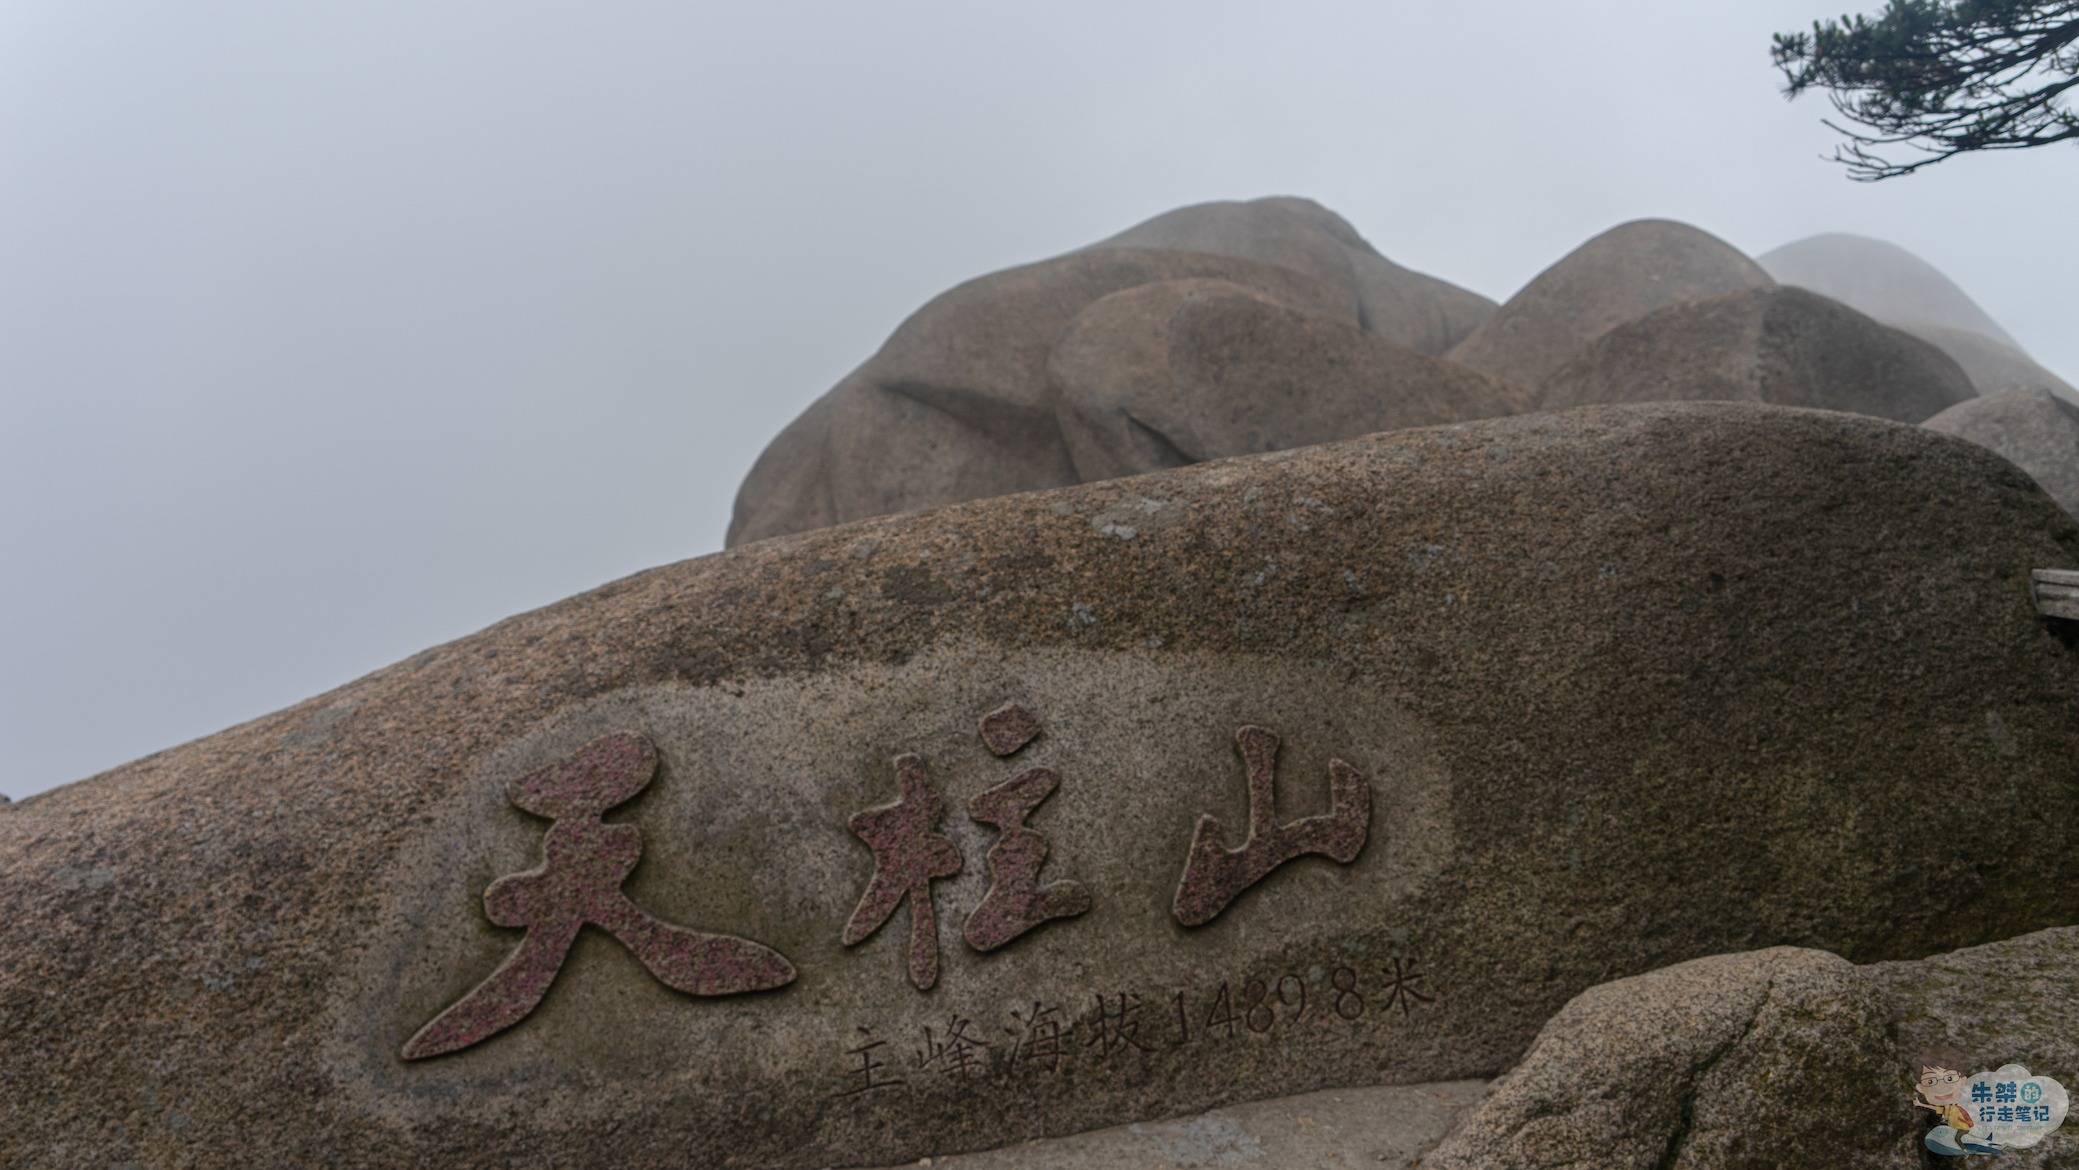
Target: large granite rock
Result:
[[1782, 346], [1900, 289], [1407, 308], [1782, 1057], [958, 403], [1428, 732], [1881, 279], [1169, 374], [1994, 366], [2036, 430], [1624, 273]]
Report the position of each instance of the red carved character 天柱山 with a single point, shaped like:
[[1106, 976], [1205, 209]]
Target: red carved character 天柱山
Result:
[[585, 860]]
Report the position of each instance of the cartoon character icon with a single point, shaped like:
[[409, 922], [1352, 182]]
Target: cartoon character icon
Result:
[[1942, 1090]]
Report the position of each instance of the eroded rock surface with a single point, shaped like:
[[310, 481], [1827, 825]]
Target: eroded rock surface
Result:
[[1178, 372], [1881, 279], [1408, 308], [1781, 1057], [958, 404], [1622, 274], [1782, 346], [1385, 1127], [2036, 430], [1900, 289]]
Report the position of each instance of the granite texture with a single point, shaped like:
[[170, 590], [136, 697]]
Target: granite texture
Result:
[[1407, 308], [1781, 1058], [1781, 346], [1624, 273], [1881, 279], [1386, 1127], [1624, 686], [1178, 372], [2035, 429], [960, 403]]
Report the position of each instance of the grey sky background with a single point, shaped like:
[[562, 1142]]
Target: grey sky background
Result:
[[331, 332]]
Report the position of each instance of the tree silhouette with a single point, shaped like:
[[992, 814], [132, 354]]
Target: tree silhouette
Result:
[[1939, 78]]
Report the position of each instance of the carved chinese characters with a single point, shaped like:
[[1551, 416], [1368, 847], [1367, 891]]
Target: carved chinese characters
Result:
[[907, 856], [1016, 902], [584, 863], [1215, 876], [1301, 1004]]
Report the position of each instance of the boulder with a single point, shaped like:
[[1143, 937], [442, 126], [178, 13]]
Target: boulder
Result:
[[2035, 430], [1624, 273], [1178, 372], [1900, 289], [1782, 1057], [1407, 308], [1994, 366], [1782, 346], [933, 833], [1881, 279], [957, 405]]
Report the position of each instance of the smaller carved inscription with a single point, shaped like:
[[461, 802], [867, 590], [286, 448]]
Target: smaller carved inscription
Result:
[[1214, 875], [1113, 1028], [908, 855], [584, 863], [1403, 986], [1288, 1006], [958, 1052], [868, 1074], [1042, 1040]]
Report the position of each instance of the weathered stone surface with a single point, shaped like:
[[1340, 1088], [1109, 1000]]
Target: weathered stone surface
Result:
[[1881, 279], [1624, 273], [1994, 366], [1408, 308], [1782, 1057], [959, 405], [1384, 1127], [1627, 686], [1771, 1058], [1178, 372], [1985, 1007], [2035, 430], [1782, 346], [1900, 289]]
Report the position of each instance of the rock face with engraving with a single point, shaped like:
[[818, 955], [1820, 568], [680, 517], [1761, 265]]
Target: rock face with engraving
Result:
[[1343, 765], [1782, 346], [961, 402]]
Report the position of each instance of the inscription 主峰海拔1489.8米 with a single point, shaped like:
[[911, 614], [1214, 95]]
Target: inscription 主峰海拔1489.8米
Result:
[[1045, 1038]]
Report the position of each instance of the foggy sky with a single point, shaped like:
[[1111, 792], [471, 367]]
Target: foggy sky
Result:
[[331, 332]]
